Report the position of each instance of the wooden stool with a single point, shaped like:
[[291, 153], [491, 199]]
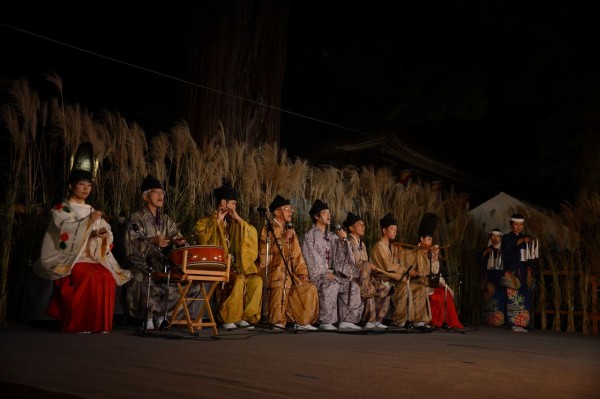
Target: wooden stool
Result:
[[200, 264]]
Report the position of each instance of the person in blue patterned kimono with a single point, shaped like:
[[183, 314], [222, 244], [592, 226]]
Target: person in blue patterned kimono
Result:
[[331, 269], [494, 301], [518, 275], [374, 291]]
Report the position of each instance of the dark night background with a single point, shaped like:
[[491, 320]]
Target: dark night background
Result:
[[497, 90]]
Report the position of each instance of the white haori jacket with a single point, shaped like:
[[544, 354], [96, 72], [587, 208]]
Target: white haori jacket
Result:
[[70, 239]]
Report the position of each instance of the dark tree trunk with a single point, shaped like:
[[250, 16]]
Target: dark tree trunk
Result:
[[235, 58], [589, 164]]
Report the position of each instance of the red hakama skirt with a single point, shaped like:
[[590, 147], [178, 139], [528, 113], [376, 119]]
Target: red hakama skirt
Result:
[[436, 301], [85, 300]]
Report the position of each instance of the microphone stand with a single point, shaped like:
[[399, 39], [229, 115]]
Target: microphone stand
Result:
[[165, 324], [265, 308], [445, 325], [407, 324], [444, 309], [405, 273], [149, 271], [345, 243], [430, 257]]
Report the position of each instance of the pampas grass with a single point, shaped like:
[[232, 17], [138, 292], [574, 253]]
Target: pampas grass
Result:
[[459, 233], [26, 121]]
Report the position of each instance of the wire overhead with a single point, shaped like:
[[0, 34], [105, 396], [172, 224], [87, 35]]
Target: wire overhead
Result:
[[176, 79]]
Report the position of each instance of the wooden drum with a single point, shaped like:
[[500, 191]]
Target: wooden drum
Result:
[[200, 257]]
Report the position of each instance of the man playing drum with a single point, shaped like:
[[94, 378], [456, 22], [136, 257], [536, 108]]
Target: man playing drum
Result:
[[240, 299], [150, 236]]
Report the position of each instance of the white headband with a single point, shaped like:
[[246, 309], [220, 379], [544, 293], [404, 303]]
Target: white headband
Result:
[[517, 220], [496, 232]]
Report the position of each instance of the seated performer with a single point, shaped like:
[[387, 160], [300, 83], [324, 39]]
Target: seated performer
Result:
[[292, 298], [151, 234], [436, 307], [374, 291], [76, 255], [241, 298], [330, 268], [441, 297], [390, 271]]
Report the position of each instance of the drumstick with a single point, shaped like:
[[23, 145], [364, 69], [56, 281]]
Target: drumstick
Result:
[[176, 237]]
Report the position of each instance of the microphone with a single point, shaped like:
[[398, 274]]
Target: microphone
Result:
[[338, 228], [136, 227], [289, 225]]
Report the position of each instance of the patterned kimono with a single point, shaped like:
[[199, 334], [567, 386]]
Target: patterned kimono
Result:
[[517, 280], [141, 254], [296, 302], [84, 269], [374, 291], [339, 299], [494, 301], [242, 295]]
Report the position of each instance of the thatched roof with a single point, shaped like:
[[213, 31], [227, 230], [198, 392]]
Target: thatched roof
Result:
[[388, 148]]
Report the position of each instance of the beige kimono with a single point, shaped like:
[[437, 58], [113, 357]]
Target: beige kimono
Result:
[[289, 300]]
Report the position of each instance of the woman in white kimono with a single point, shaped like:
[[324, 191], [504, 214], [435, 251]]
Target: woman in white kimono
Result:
[[76, 254]]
